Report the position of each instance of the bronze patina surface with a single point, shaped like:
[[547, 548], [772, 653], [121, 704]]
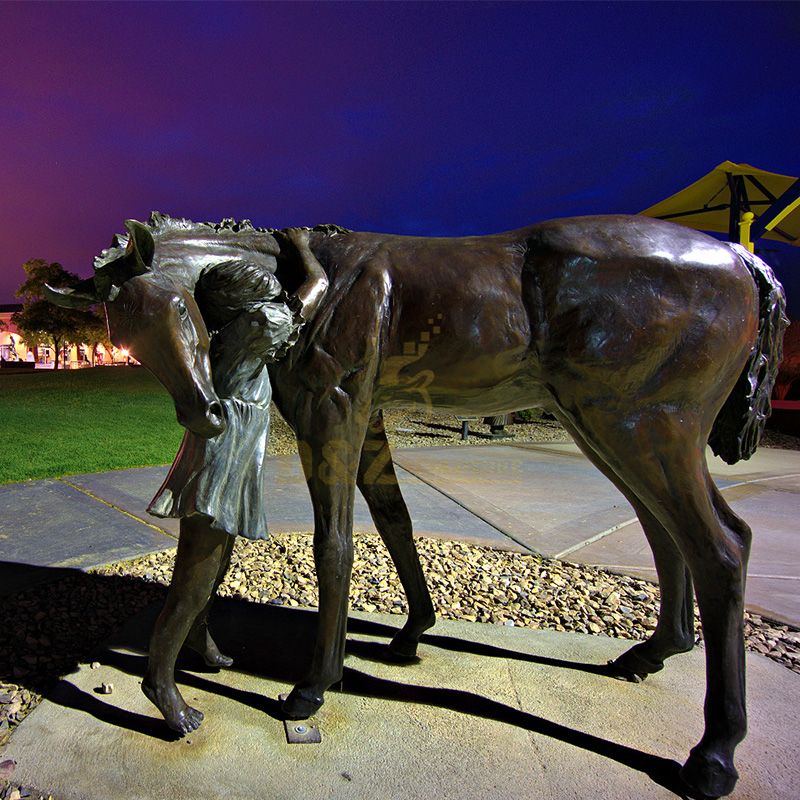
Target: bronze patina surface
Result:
[[645, 339]]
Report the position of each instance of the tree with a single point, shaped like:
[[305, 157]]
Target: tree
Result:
[[41, 322]]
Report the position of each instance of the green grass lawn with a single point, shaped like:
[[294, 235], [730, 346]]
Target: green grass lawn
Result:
[[89, 420]]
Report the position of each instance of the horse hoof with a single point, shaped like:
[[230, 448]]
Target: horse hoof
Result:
[[709, 776], [302, 703], [633, 666], [622, 673], [400, 649]]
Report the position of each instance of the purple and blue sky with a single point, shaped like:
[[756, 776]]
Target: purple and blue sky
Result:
[[426, 118]]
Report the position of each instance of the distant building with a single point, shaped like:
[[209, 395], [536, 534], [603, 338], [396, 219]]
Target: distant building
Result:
[[75, 355]]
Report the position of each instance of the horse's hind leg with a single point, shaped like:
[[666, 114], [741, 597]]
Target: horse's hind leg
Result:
[[674, 632], [378, 483], [718, 561], [659, 454]]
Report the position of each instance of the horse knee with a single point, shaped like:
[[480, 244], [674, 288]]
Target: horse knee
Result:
[[718, 569], [734, 525], [744, 535], [730, 567]]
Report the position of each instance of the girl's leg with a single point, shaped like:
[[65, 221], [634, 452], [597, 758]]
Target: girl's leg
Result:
[[197, 564]]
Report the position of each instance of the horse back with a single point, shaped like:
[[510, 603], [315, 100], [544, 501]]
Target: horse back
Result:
[[483, 323], [640, 307]]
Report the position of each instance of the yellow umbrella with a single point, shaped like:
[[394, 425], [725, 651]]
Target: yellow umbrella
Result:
[[742, 201]]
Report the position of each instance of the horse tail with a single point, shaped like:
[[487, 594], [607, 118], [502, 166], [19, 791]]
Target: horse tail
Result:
[[741, 420]]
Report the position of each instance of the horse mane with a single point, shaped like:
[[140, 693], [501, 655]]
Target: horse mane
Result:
[[161, 224], [329, 229]]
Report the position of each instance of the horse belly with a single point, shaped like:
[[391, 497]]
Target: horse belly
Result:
[[487, 385], [470, 357]]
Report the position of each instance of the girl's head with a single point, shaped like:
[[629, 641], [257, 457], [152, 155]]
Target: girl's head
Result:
[[230, 287]]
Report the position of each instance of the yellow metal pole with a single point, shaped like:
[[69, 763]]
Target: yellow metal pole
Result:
[[785, 213], [748, 217]]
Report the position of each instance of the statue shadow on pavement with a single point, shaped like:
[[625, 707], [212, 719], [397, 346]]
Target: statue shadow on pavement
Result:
[[275, 642]]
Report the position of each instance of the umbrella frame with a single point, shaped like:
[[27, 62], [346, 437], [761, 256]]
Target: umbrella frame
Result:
[[743, 224]]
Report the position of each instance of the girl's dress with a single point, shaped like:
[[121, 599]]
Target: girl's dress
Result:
[[223, 478]]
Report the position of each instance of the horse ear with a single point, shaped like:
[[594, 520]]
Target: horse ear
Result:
[[82, 295], [141, 246]]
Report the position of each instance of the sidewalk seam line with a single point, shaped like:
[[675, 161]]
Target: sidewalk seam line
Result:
[[467, 509], [595, 538], [761, 480], [642, 568], [615, 528], [117, 508]]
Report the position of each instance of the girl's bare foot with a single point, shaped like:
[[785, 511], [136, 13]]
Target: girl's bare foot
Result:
[[199, 640], [180, 717]]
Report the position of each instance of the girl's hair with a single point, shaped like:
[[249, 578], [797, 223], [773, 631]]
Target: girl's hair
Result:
[[230, 287]]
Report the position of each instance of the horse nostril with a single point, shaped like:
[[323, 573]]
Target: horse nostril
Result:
[[215, 410]]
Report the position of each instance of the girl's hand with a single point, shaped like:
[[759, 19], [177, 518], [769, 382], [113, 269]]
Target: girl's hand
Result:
[[297, 236]]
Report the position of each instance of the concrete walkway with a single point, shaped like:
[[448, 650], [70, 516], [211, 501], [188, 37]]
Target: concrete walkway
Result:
[[488, 712], [551, 499], [544, 498]]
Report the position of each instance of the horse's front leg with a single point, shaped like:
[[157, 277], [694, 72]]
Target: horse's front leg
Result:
[[332, 446]]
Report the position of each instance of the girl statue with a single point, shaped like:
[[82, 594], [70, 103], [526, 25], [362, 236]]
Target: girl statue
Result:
[[216, 486]]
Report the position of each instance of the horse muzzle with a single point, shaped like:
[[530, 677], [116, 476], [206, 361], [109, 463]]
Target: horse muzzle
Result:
[[207, 421]]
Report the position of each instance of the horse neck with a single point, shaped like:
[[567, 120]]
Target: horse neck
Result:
[[185, 274], [185, 259]]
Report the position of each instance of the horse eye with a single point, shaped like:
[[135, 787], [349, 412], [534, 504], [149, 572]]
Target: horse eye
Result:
[[182, 310]]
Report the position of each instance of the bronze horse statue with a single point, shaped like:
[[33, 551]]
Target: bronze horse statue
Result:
[[645, 339]]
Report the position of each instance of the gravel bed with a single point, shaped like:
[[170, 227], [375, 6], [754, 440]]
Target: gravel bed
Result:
[[782, 441], [467, 582], [432, 429], [435, 429]]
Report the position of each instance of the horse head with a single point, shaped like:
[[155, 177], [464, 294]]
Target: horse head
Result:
[[153, 314]]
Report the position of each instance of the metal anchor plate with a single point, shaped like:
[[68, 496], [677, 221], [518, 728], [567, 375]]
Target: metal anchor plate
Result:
[[301, 731]]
